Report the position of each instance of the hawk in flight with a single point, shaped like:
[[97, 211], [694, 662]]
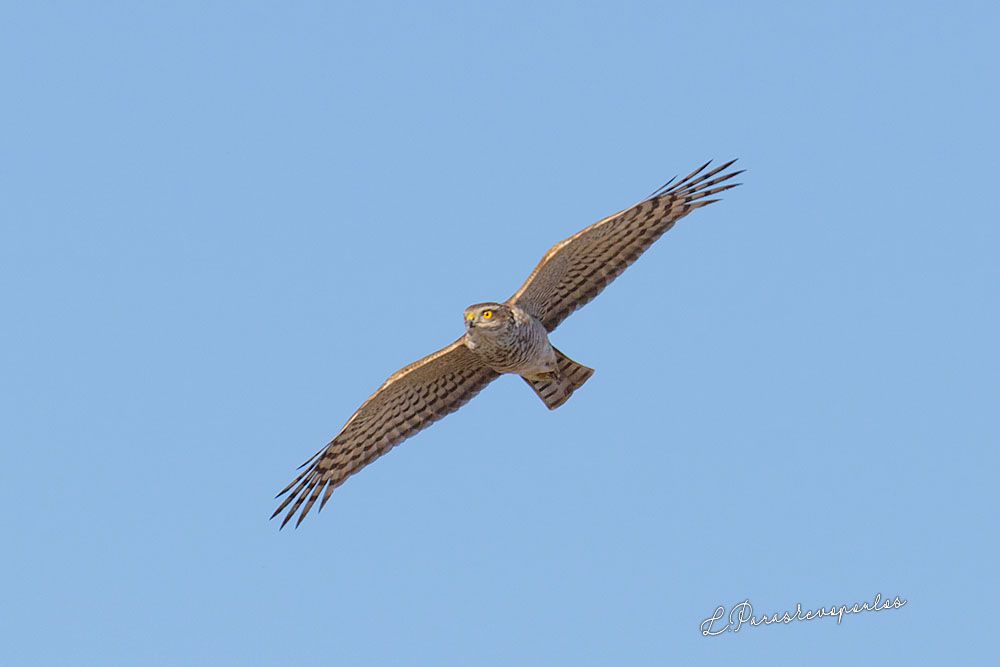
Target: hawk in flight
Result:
[[507, 337]]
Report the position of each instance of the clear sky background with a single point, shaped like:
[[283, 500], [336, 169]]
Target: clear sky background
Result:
[[225, 224]]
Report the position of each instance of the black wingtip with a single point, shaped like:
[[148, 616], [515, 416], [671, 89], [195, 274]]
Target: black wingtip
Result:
[[311, 459], [663, 188], [696, 179]]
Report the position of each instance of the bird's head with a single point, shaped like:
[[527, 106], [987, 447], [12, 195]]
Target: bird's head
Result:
[[488, 317]]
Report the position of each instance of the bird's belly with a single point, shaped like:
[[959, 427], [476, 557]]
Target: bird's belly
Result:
[[529, 360]]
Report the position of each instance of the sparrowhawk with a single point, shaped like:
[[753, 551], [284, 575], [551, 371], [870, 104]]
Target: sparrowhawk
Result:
[[507, 337]]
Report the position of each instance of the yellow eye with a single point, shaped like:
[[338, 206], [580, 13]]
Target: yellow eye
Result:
[[470, 316], [487, 314]]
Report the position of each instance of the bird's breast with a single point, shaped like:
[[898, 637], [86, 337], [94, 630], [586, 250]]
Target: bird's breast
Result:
[[520, 349]]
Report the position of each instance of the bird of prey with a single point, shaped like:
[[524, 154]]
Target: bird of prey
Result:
[[503, 337]]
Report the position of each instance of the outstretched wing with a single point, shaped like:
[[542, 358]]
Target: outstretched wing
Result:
[[574, 271], [409, 401]]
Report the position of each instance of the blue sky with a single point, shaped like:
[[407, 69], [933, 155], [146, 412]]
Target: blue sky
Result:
[[222, 225]]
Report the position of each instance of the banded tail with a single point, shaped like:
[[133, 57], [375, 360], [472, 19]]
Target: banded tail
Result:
[[569, 377]]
